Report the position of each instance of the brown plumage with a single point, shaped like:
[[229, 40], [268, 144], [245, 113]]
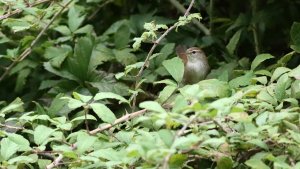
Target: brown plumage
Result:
[[196, 65]]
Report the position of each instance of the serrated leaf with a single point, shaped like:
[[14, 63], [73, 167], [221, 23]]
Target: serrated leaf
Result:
[[280, 89], [8, 148], [16, 105], [175, 67]]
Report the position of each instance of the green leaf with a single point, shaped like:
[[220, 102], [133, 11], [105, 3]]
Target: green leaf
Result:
[[213, 88], [278, 72], [295, 34], [166, 136], [73, 103], [8, 148], [22, 143], [225, 163], [79, 63], [175, 67], [152, 106], [32, 158], [84, 142], [103, 112], [259, 59], [166, 51], [41, 133], [124, 56], [244, 80], [256, 163], [295, 72], [166, 93], [75, 18], [16, 106], [122, 36], [295, 89], [64, 30], [109, 95], [231, 46], [57, 55], [280, 89], [81, 97]]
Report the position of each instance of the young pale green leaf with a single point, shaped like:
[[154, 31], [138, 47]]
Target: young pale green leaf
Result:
[[152, 106], [295, 89], [256, 163], [295, 72], [231, 46], [175, 67], [109, 95], [81, 97], [84, 142], [259, 59], [103, 112], [41, 134], [278, 72], [8, 148], [22, 143], [73, 103]]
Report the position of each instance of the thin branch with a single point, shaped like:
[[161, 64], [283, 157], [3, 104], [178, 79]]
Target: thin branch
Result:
[[181, 8], [12, 127], [222, 127], [56, 162], [33, 43], [166, 160], [138, 76], [98, 9], [119, 120], [17, 11]]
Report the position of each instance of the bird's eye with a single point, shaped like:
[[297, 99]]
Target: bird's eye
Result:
[[193, 52]]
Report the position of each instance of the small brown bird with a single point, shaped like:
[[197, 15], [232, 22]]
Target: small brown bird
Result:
[[196, 66]]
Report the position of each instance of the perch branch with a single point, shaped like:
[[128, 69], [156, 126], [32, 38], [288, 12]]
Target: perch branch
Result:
[[119, 120], [33, 43], [138, 76], [56, 162], [181, 8]]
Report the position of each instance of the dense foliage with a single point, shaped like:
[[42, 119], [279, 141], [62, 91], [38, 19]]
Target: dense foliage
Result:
[[97, 84]]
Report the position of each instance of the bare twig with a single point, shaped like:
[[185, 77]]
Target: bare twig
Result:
[[33, 43], [166, 160], [17, 11], [181, 8], [224, 128], [56, 162], [119, 120], [138, 76], [12, 127]]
